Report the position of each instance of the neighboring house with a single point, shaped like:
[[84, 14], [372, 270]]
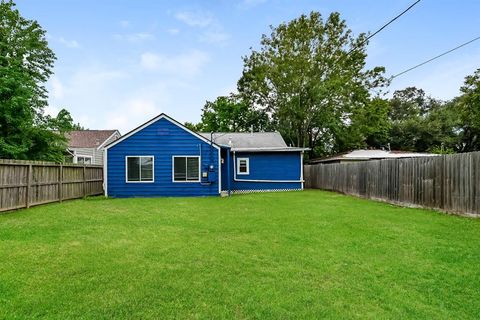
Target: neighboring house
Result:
[[87, 146], [164, 158], [365, 155]]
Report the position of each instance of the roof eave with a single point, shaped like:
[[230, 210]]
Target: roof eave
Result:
[[270, 149]]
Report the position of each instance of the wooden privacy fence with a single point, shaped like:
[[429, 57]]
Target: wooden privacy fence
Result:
[[448, 183], [28, 183]]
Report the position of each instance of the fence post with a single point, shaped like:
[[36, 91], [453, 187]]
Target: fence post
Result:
[[84, 182], [29, 186], [60, 182]]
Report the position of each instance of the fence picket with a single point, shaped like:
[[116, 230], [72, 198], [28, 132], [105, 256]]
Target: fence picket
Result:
[[449, 183], [28, 183]]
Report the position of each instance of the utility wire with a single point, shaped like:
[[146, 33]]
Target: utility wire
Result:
[[434, 58], [383, 27], [351, 50]]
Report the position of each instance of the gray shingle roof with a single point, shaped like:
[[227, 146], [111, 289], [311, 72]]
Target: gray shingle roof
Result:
[[248, 140], [88, 138]]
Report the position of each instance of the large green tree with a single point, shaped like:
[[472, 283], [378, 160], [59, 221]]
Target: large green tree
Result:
[[310, 74], [232, 114], [421, 123], [370, 126], [468, 107], [26, 63]]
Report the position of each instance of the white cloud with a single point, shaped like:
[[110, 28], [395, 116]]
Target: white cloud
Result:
[[57, 88], [196, 18], [69, 43], [212, 33], [183, 65], [125, 23], [86, 93], [214, 36], [251, 3], [173, 31], [142, 104], [134, 37]]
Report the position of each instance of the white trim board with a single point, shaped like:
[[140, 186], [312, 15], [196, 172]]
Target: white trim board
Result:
[[75, 158], [247, 161], [142, 156], [101, 145], [256, 180], [186, 169], [105, 180]]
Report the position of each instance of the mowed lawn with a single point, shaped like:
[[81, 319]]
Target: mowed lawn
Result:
[[308, 254]]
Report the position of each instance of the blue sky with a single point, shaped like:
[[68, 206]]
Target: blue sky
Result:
[[122, 62]]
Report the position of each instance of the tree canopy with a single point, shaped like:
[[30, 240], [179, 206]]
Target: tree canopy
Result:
[[311, 74], [26, 63], [309, 81]]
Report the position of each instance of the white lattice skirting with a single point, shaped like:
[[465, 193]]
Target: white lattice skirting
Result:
[[264, 190]]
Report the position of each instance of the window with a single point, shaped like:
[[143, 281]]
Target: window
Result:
[[243, 166], [140, 169], [186, 169], [84, 159]]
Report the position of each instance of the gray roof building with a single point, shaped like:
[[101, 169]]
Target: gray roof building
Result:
[[365, 155], [250, 141]]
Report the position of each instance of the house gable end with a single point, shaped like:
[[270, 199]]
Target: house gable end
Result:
[[153, 121]]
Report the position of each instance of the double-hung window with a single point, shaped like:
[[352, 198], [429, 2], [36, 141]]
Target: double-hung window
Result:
[[84, 159], [139, 168], [243, 166], [186, 168]]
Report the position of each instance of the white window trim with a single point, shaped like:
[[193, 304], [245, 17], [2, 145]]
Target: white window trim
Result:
[[126, 169], [199, 169], [82, 156], [247, 160]]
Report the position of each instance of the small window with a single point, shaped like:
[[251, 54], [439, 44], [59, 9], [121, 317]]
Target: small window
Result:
[[140, 169], [243, 166], [186, 169], [84, 159]]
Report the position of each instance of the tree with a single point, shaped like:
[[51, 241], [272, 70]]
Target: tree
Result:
[[26, 63], [407, 109], [468, 107], [63, 122], [421, 123], [310, 76], [370, 126], [232, 114]]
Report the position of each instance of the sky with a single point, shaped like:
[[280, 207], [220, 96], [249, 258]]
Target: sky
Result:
[[122, 62]]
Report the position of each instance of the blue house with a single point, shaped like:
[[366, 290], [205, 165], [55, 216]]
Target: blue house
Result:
[[164, 158]]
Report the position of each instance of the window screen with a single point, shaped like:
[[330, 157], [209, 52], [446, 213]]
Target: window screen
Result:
[[186, 169], [139, 169], [84, 160]]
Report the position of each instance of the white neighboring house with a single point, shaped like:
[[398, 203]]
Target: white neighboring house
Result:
[[365, 155], [86, 146]]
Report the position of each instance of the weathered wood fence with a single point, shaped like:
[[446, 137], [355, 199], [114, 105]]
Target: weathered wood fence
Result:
[[28, 183], [449, 183]]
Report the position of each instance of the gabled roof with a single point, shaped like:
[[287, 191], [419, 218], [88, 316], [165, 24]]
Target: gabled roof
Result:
[[247, 139], [362, 155], [251, 141], [153, 120], [88, 138]]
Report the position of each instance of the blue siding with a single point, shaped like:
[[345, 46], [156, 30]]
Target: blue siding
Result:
[[162, 139], [268, 166]]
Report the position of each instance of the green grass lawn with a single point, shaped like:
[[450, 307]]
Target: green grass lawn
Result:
[[305, 254]]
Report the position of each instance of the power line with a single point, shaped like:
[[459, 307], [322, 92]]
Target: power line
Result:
[[383, 27], [434, 58], [351, 50]]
